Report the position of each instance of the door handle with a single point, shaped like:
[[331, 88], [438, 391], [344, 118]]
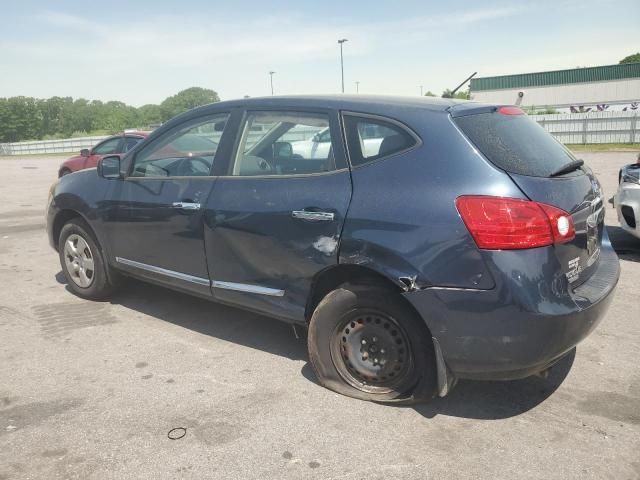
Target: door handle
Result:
[[186, 205], [313, 216]]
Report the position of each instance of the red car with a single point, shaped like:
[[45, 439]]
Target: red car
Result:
[[115, 145]]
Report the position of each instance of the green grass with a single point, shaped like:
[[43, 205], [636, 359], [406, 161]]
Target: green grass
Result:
[[605, 147]]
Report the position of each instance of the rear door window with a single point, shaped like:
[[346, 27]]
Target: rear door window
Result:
[[515, 143], [370, 139]]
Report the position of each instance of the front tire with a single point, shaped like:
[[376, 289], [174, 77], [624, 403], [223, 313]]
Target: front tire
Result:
[[82, 262], [367, 342]]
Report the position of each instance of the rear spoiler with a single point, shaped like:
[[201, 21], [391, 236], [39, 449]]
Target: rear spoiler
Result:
[[472, 108]]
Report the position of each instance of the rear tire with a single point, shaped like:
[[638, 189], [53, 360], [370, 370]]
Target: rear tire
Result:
[[63, 172], [366, 342], [82, 262]]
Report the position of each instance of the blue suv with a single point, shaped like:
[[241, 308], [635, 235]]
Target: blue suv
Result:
[[420, 240]]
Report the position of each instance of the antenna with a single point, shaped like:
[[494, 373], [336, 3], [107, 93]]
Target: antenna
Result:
[[453, 92]]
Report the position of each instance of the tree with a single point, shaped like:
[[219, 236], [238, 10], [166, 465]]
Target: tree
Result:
[[430, 94], [20, 118], [460, 94], [635, 58], [186, 100], [27, 118], [150, 114]]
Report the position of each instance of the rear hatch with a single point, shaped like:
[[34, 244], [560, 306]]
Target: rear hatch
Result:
[[546, 172]]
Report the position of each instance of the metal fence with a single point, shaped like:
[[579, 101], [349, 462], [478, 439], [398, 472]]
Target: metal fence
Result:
[[569, 128], [592, 127], [45, 147]]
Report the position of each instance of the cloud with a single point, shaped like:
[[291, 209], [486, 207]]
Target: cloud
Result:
[[148, 57], [186, 40]]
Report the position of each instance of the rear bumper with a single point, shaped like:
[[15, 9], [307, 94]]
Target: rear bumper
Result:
[[522, 326]]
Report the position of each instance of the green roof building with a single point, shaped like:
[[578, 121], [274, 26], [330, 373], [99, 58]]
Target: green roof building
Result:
[[604, 85]]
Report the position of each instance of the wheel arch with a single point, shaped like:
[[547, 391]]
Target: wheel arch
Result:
[[62, 218], [334, 276]]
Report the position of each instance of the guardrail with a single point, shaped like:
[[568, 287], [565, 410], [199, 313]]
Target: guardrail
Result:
[[569, 128], [44, 147]]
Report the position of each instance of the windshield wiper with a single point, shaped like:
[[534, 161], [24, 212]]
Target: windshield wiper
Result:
[[568, 167]]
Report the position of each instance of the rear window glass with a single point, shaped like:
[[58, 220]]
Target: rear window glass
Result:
[[515, 143]]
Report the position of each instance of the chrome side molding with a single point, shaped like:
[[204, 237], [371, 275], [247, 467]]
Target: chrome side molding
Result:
[[243, 287], [164, 271], [238, 287]]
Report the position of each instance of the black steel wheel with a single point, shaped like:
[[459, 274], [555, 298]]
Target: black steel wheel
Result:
[[372, 352], [367, 342]]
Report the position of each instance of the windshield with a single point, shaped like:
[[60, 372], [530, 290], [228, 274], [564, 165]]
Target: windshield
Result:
[[515, 143]]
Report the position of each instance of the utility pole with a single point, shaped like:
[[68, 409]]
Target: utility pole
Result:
[[271, 80], [341, 41], [421, 94], [357, 87]]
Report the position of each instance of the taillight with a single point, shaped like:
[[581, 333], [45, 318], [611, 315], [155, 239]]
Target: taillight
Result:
[[498, 223]]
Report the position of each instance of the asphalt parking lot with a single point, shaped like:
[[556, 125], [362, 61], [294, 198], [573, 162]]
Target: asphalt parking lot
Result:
[[90, 390]]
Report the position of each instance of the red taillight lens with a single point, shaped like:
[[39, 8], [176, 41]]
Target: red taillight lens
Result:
[[498, 223], [510, 111]]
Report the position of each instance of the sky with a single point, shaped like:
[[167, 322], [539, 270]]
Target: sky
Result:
[[143, 51]]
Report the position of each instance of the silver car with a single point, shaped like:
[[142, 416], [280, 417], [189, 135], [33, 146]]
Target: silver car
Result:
[[627, 198]]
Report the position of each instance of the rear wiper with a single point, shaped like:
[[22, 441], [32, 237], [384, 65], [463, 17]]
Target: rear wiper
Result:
[[569, 167]]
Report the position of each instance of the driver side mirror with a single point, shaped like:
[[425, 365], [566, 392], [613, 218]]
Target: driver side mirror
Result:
[[85, 152], [109, 167], [282, 150]]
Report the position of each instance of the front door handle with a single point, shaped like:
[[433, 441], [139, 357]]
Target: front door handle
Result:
[[313, 216], [186, 205]]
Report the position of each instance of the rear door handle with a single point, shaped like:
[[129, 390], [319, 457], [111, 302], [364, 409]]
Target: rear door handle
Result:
[[186, 205], [313, 216]]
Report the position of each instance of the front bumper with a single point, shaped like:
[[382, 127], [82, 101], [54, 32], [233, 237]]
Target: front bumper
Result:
[[627, 203], [522, 326]]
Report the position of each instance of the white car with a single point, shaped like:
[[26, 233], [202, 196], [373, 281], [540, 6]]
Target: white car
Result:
[[627, 199], [317, 147]]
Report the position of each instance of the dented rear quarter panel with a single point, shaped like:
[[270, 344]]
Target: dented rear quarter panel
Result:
[[403, 222]]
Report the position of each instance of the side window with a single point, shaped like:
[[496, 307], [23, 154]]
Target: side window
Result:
[[371, 139], [187, 151], [107, 147], [131, 142], [282, 143]]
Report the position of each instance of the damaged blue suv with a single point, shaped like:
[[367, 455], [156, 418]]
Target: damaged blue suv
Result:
[[420, 240]]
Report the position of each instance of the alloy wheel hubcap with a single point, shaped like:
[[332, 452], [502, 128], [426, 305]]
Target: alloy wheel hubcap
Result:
[[79, 261], [372, 352]]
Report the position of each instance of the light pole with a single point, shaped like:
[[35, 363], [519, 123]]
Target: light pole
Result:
[[341, 41], [271, 81], [421, 90], [357, 87]]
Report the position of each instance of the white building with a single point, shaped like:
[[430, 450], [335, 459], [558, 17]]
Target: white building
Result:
[[609, 87]]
